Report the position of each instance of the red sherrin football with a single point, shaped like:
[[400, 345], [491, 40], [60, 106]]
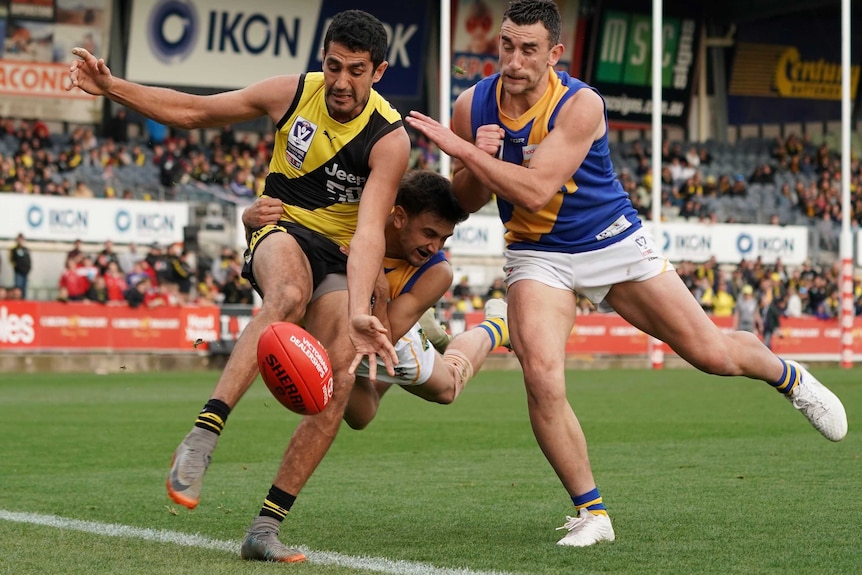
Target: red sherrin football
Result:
[[295, 368]]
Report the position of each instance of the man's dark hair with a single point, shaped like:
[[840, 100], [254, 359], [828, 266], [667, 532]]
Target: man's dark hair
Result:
[[423, 191], [526, 12], [360, 32]]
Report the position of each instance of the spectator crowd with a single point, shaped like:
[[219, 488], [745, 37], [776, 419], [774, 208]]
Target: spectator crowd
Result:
[[805, 177], [34, 161], [802, 178], [168, 276]]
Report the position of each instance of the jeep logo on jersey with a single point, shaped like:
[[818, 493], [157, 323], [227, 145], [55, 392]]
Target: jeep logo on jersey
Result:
[[298, 141], [343, 186]]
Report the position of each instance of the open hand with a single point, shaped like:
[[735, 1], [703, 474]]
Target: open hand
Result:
[[371, 339], [444, 138], [89, 73]]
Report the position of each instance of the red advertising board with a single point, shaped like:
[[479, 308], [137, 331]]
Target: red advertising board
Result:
[[51, 326], [609, 334], [54, 326]]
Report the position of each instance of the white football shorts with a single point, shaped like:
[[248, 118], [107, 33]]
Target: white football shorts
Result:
[[416, 358], [591, 274]]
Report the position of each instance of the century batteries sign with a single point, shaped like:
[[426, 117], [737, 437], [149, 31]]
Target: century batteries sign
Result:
[[622, 66], [226, 44], [789, 68]]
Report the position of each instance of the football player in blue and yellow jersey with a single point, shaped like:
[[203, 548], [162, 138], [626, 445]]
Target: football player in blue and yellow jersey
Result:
[[537, 139]]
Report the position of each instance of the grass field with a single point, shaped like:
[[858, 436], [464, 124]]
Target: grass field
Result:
[[700, 474]]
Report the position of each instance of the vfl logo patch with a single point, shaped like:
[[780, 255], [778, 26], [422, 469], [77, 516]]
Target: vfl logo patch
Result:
[[644, 246], [299, 140]]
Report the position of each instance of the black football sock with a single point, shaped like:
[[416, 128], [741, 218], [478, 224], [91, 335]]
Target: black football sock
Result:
[[213, 416], [277, 504]]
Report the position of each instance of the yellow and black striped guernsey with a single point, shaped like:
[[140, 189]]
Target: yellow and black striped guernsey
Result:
[[319, 165]]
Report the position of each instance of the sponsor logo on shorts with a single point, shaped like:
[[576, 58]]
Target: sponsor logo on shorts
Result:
[[619, 226]]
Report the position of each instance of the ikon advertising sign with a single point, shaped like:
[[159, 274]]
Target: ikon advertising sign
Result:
[[226, 44], [479, 235], [51, 218], [731, 243]]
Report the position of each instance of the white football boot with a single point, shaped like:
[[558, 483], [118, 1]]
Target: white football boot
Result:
[[586, 529], [822, 407]]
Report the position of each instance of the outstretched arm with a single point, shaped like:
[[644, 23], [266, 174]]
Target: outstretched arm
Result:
[[388, 162], [173, 108], [472, 194]]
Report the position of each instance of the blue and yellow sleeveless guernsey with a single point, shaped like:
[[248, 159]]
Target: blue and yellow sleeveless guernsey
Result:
[[319, 165], [402, 276], [591, 211]]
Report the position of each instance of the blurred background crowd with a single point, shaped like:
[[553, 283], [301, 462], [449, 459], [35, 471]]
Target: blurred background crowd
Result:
[[781, 180]]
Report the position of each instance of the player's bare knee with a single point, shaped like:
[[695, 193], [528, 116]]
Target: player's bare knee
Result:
[[535, 369], [287, 303], [545, 393], [714, 360], [356, 423], [362, 405], [445, 397], [325, 423]]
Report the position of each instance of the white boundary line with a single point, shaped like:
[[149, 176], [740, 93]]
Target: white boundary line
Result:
[[378, 564]]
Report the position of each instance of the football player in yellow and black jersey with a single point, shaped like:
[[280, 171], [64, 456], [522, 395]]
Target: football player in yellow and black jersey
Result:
[[537, 139], [340, 150], [416, 274]]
